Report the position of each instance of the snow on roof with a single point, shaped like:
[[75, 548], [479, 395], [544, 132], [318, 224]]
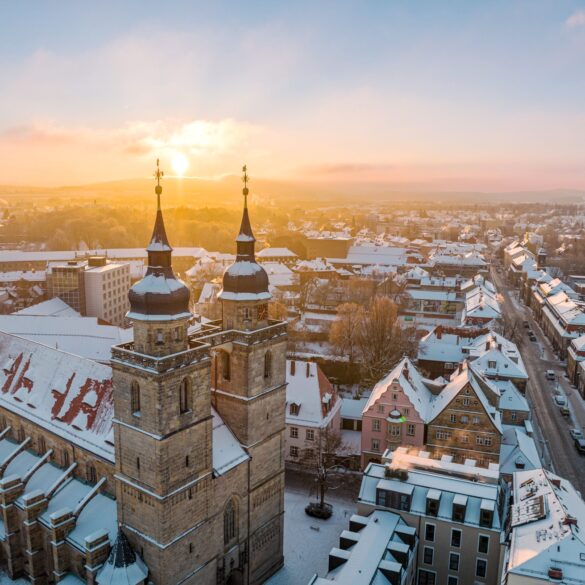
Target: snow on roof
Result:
[[48, 387], [517, 451], [28, 276], [280, 274], [449, 482], [412, 384], [459, 380], [307, 386], [275, 253], [82, 336], [510, 397], [351, 408], [227, 451], [547, 520], [54, 307]]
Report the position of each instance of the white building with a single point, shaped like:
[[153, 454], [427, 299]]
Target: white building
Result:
[[106, 290]]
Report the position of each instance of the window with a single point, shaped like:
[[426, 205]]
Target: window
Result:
[[267, 364], [185, 402], [406, 411], [484, 441], [464, 419], [410, 430], [492, 365], [451, 580], [466, 402], [481, 568], [456, 538], [475, 420], [380, 408], [91, 474], [65, 458], [376, 424], [375, 445], [229, 522], [294, 409], [483, 544], [430, 532], [453, 418], [294, 433], [442, 435], [226, 365], [453, 562], [513, 415], [135, 398], [42, 447], [160, 338], [186, 460], [310, 435], [426, 577], [394, 396], [294, 451], [247, 313], [428, 554], [394, 430]]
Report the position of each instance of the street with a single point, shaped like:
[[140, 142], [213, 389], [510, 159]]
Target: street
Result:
[[552, 432]]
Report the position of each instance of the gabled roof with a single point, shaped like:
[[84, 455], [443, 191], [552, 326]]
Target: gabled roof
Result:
[[412, 383]]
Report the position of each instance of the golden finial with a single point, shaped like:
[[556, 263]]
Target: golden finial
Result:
[[245, 180], [158, 189]]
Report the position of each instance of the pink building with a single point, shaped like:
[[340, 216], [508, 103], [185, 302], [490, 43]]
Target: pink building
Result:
[[396, 411]]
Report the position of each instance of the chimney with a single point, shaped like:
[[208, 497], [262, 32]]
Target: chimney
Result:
[[405, 371], [293, 366], [308, 369], [439, 332], [487, 345], [499, 347]]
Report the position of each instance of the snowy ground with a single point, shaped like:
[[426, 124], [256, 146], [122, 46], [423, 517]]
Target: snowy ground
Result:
[[307, 541], [6, 580]]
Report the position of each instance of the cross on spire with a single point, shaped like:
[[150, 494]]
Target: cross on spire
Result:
[[245, 180], [158, 189]]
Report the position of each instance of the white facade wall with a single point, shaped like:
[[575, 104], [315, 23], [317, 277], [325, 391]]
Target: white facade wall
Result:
[[106, 292]]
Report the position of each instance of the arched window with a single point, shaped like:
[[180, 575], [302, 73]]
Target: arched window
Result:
[[226, 365], [185, 402], [135, 398], [229, 522], [267, 364]]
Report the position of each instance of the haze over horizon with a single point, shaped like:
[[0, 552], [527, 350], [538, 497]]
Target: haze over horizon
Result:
[[437, 96]]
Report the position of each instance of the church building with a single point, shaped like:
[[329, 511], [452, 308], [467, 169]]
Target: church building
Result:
[[168, 466]]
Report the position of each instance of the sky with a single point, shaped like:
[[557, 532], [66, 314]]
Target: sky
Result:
[[450, 94]]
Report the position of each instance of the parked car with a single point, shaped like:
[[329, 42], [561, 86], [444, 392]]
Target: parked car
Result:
[[580, 445], [576, 433], [550, 375], [565, 411], [560, 400]]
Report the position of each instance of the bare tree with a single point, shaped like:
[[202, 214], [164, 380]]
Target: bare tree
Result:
[[343, 335]]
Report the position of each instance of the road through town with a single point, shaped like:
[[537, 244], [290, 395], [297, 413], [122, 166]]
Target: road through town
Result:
[[554, 428]]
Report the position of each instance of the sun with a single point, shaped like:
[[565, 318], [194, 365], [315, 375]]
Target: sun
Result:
[[180, 164]]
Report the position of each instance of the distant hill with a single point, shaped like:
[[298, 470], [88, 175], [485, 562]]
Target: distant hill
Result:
[[227, 190]]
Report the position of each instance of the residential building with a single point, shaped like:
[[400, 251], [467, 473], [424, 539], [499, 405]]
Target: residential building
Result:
[[544, 541], [457, 510], [313, 412]]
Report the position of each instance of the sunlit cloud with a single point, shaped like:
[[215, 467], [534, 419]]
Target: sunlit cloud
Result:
[[577, 19]]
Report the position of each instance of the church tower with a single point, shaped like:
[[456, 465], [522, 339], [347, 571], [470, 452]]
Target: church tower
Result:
[[163, 426], [248, 390]]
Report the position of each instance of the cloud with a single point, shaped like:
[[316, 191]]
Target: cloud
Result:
[[576, 19]]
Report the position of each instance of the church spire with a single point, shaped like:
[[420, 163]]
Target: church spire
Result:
[[245, 240], [159, 250]]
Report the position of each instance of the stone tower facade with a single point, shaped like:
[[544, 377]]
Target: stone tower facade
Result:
[[249, 391], [199, 502]]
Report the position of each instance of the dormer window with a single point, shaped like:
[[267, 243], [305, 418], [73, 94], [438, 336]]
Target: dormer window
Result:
[[433, 500], [294, 409], [486, 516], [492, 365]]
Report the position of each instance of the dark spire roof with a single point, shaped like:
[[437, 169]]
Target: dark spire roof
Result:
[[123, 566], [160, 295], [121, 554], [245, 279]]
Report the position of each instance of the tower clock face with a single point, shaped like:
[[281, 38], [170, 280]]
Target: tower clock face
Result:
[[262, 312]]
